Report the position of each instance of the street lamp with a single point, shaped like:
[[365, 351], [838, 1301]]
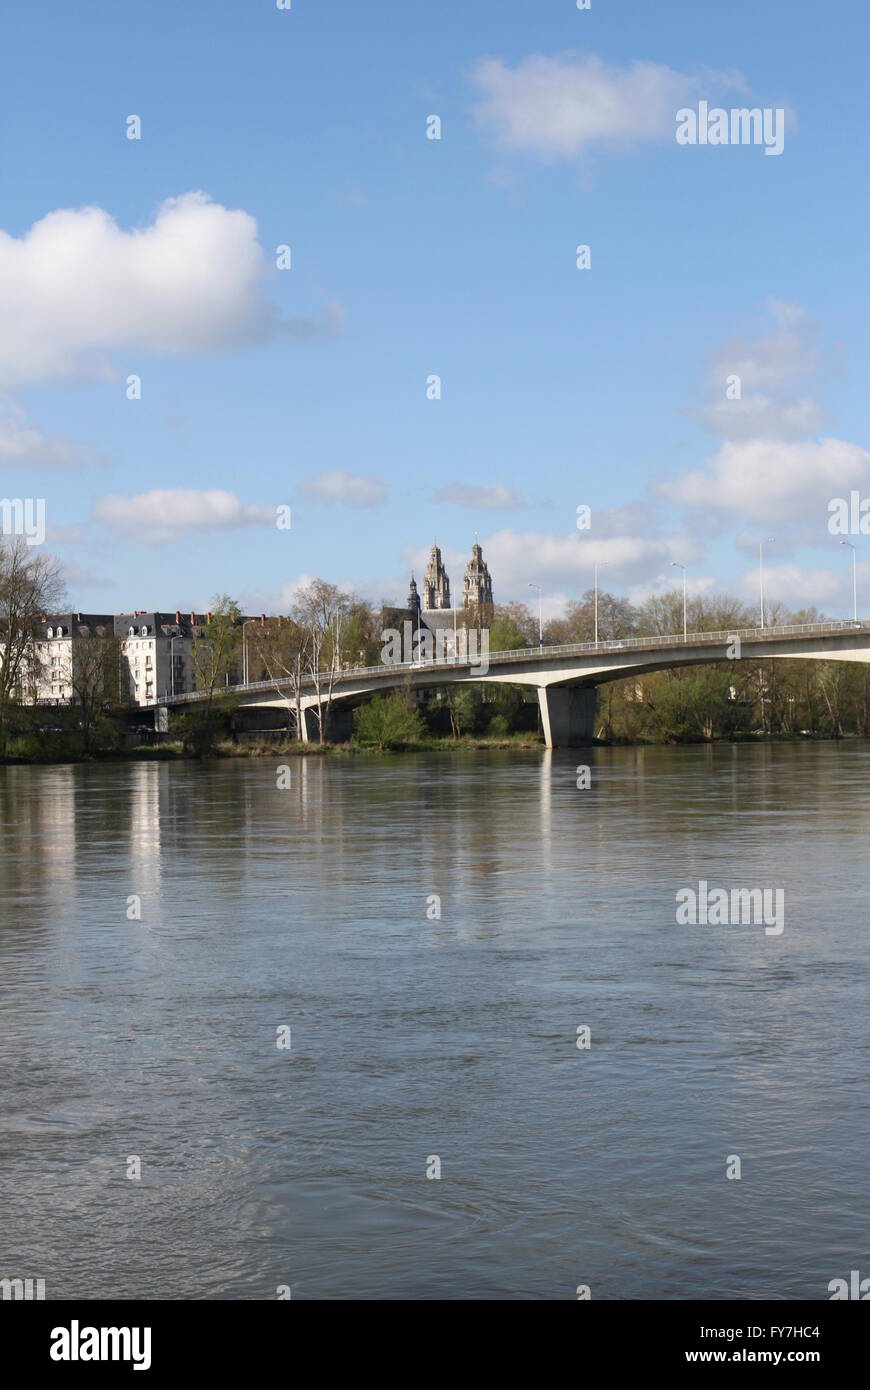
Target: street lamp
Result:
[[599, 565], [675, 564], [540, 613], [245, 650], [761, 546], [854, 551]]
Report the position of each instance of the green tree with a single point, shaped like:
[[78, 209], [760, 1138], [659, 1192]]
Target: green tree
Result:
[[388, 721], [506, 635], [215, 649], [215, 655], [464, 705], [504, 707], [708, 696], [521, 617], [200, 727]]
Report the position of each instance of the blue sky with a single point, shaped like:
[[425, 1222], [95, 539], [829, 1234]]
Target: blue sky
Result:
[[413, 257]]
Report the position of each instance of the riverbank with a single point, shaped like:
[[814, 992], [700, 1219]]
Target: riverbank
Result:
[[56, 750]]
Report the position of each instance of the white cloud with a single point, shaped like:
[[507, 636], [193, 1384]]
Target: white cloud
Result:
[[82, 577], [772, 480], [78, 293], [495, 497], [760, 417], [557, 106], [565, 564], [262, 601], [667, 581], [338, 486], [780, 351], [781, 373], [167, 513], [23, 444], [796, 587]]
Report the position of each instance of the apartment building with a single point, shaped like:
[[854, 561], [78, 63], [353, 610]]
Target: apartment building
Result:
[[55, 665], [154, 650], [157, 650]]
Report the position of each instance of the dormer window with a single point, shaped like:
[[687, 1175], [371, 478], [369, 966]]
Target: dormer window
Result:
[[144, 631], [51, 632], [59, 632]]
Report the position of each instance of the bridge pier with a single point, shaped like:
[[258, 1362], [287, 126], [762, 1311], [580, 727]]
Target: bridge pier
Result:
[[567, 714]]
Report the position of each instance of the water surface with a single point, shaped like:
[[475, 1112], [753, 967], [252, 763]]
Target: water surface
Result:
[[414, 1037]]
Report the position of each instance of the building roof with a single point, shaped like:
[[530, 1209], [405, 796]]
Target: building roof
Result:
[[158, 624], [76, 625]]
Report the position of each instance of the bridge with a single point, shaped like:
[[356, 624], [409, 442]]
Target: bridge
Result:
[[565, 677]]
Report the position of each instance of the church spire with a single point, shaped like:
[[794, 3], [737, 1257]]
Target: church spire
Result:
[[436, 584], [477, 585], [413, 596]]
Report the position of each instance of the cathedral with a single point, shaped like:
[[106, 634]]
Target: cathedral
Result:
[[476, 591]]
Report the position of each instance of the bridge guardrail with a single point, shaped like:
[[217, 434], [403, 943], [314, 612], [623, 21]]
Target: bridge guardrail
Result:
[[524, 654]]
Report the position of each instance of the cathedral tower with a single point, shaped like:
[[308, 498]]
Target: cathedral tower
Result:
[[436, 585], [477, 587], [414, 597]]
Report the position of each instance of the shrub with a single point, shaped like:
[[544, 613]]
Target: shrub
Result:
[[387, 722]]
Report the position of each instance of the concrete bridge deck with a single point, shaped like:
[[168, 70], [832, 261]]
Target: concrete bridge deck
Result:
[[566, 676]]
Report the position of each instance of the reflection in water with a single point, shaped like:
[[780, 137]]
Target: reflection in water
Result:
[[413, 1035]]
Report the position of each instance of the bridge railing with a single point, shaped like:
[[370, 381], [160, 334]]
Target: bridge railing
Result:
[[520, 655]]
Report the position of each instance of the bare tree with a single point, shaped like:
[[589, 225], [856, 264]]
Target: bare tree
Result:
[[321, 609], [95, 678], [280, 649], [30, 586], [831, 679]]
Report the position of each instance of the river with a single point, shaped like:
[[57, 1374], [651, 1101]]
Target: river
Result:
[[415, 1037]]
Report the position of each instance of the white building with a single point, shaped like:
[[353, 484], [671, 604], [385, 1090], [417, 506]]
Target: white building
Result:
[[157, 649], [155, 658], [52, 672]]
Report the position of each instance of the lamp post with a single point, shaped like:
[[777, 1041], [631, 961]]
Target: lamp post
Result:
[[854, 551], [675, 564], [540, 614], [245, 650], [599, 565], [761, 546]]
